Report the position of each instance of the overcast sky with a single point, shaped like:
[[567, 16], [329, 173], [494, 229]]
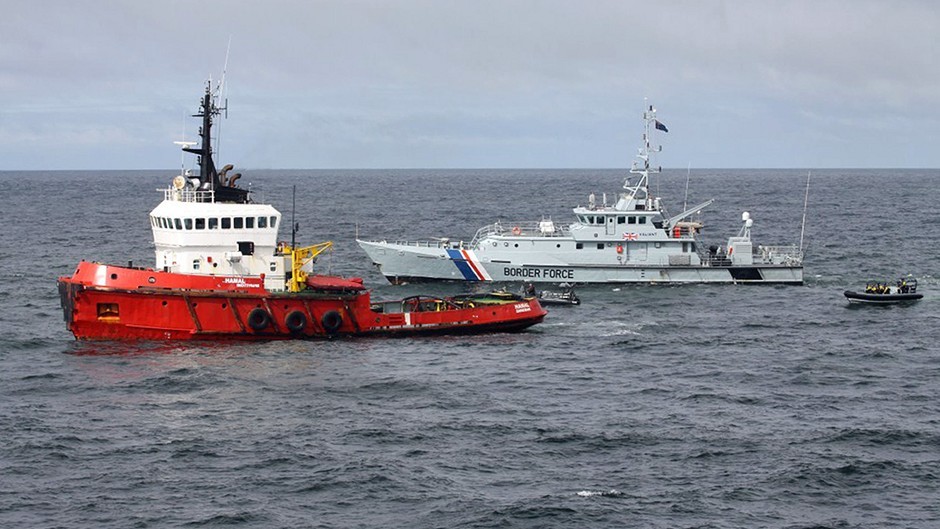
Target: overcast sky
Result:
[[472, 84]]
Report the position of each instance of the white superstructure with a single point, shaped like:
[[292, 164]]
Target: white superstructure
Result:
[[193, 234]]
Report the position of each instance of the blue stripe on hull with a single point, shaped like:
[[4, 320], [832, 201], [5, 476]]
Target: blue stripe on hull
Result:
[[462, 265]]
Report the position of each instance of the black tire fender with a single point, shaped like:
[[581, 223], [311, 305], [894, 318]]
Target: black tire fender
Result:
[[332, 321], [295, 321], [259, 319]]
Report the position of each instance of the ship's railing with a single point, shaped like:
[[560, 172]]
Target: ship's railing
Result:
[[789, 254], [431, 243], [544, 228], [188, 195]]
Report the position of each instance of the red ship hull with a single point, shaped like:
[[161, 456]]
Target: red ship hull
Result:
[[105, 302]]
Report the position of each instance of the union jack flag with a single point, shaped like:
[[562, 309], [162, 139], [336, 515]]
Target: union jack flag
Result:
[[631, 236]]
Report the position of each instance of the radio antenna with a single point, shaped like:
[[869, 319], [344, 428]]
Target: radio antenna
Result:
[[688, 176], [223, 96], [805, 202], [294, 227]]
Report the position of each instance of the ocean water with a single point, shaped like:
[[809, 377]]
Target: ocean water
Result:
[[648, 406]]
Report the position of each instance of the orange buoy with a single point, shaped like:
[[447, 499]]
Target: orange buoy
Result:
[[619, 248], [517, 231]]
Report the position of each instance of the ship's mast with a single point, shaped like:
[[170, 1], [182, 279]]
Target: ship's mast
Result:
[[208, 176], [642, 166], [209, 179]]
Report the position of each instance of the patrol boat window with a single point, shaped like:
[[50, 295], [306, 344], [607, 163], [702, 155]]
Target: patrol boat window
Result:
[[213, 224], [631, 220], [642, 220], [188, 223], [226, 223], [239, 223], [262, 222], [250, 222], [178, 224], [200, 224], [621, 220]]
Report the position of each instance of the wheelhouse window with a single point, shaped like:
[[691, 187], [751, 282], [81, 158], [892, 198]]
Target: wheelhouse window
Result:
[[188, 224], [178, 224], [621, 220], [262, 222], [226, 223], [579, 246], [273, 222], [239, 223], [200, 224], [642, 220], [249, 222], [213, 224], [631, 220], [600, 246]]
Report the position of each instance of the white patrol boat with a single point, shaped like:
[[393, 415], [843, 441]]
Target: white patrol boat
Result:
[[632, 241]]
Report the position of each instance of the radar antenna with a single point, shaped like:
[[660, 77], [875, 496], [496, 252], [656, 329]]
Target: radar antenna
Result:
[[183, 143]]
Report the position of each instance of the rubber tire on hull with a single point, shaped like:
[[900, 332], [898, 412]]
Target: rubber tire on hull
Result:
[[332, 321], [295, 321], [259, 319]]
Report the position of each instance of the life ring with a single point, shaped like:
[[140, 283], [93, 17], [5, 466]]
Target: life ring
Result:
[[259, 319], [517, 231], [677, 232], [331, 321], [295, 321], [619, 248]]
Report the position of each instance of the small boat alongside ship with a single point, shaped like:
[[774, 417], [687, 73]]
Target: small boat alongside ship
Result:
[[221, 274], [905, 291], [565, 296], [634, 240]]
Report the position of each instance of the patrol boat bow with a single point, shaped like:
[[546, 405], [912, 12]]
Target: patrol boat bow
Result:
[[221, 274], [633, 241]]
